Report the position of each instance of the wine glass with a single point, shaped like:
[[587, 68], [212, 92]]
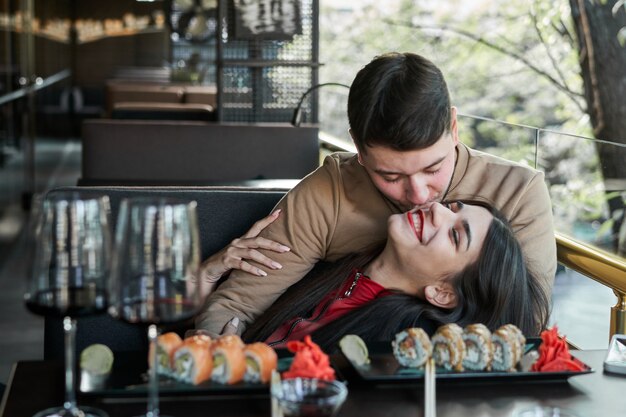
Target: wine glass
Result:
[[68, 279], [154, 270]]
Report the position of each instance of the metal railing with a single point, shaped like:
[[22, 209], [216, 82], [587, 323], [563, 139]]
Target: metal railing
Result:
[[603, 267]]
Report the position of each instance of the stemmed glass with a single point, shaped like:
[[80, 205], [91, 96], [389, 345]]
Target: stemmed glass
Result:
[[68, 279], [154, 271]]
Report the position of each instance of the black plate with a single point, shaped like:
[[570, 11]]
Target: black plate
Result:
[[129, 379], [384, 368]]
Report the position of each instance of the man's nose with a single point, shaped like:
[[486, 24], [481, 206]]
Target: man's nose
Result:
[[417, 192]]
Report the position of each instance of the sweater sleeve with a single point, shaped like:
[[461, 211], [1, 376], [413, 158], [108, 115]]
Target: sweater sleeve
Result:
[[534, 228], [306, 225]]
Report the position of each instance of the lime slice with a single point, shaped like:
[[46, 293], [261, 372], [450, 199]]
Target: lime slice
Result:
[[97, 359], [355, 349]]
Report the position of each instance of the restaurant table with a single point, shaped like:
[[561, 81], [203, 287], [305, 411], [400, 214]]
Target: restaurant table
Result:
[[36, 385]]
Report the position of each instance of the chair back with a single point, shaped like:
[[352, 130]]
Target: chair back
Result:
[[223, 214]]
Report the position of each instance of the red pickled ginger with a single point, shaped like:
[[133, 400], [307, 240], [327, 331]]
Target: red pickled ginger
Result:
[[309, 361], [554, 354]]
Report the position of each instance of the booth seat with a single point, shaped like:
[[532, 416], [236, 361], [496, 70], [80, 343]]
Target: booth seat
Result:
[[140, 110], [224, 213], [128, 91], [157, 152]]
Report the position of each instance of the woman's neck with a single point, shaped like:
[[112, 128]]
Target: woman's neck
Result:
[[385, 271]]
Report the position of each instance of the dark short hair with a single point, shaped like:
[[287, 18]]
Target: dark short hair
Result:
[[399, 100]]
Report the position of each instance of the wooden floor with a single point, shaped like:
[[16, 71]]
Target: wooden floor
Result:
[[581, 306]]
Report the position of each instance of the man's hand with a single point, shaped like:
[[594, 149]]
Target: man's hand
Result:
[[239, 251]]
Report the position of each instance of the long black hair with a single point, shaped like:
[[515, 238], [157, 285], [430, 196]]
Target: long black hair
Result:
[[496, 289]]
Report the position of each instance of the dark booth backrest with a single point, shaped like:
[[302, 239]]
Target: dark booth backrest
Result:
[[223, 214], [160, 152]]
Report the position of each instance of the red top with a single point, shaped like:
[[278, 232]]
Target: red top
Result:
[[356, 291]]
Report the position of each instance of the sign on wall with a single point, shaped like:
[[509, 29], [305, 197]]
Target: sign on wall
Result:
[[267, 19]]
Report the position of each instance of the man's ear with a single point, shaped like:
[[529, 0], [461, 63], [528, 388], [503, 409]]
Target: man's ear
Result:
[[454, 126], [441, 295]]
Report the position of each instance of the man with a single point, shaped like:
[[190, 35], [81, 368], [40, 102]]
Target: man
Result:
[[409, 154]]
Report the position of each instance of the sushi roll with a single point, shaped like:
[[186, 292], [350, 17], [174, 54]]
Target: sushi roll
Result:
[[448, 347], [478, 347], [167, 344], [412, 347], [261, 360], [521, 339], [193, 361], [507, 350], [229, 360], [230, 340]]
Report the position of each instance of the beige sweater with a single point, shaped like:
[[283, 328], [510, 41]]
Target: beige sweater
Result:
[[337, 210]]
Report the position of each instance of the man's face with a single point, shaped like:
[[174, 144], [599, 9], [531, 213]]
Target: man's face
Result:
[[412, 178]]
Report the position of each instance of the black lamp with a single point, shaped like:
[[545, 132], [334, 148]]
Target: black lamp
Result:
[[295, 120]]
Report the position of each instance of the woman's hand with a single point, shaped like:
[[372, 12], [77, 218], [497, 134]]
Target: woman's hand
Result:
[[240, 250]]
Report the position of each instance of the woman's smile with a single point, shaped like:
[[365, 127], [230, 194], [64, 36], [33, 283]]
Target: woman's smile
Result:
[[416, 220]]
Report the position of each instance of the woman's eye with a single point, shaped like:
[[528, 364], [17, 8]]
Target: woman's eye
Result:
[[392, 180], [455, 237]]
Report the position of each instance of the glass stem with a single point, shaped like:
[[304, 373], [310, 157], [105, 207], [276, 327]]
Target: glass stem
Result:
[[153, 384], [69, 330]]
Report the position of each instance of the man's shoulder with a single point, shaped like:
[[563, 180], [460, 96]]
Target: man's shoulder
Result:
[[498, 181]]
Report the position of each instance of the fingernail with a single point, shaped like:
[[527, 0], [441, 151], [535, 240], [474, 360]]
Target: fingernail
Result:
[[285, 248], [276, 265], [262, 272], [276, 212], [234, 322]]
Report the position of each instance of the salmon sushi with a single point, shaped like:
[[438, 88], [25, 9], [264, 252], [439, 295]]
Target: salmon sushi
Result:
[[193, 362], [230, 340], [261, 360], [167, 344], [229, 360]]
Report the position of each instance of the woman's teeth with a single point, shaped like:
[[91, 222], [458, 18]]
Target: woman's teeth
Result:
[[417, 224]]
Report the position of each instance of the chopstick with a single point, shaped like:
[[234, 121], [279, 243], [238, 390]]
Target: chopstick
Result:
[[430, 395]]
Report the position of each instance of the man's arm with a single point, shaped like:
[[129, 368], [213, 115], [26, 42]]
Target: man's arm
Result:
[[306, 224], [533, 224]]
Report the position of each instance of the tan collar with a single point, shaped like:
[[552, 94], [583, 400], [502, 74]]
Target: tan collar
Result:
[[460, 166]]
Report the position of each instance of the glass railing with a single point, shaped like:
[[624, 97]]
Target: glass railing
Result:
[[588, 214]]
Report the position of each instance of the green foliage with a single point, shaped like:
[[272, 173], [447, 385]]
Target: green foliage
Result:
[[512, 61]]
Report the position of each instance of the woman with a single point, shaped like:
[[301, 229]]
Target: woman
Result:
[[447, 263]]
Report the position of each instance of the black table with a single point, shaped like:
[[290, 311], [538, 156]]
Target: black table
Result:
[[35, 385]]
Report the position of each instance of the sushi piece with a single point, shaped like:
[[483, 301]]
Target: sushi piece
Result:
[[412, 347], [193, 361], [448, 347], [521, 339], [229, 360], [230, 339], [507, 350], [478, 347], [167, 344], [261, 360]]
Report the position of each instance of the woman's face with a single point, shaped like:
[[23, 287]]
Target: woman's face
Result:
[[439, 240]]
